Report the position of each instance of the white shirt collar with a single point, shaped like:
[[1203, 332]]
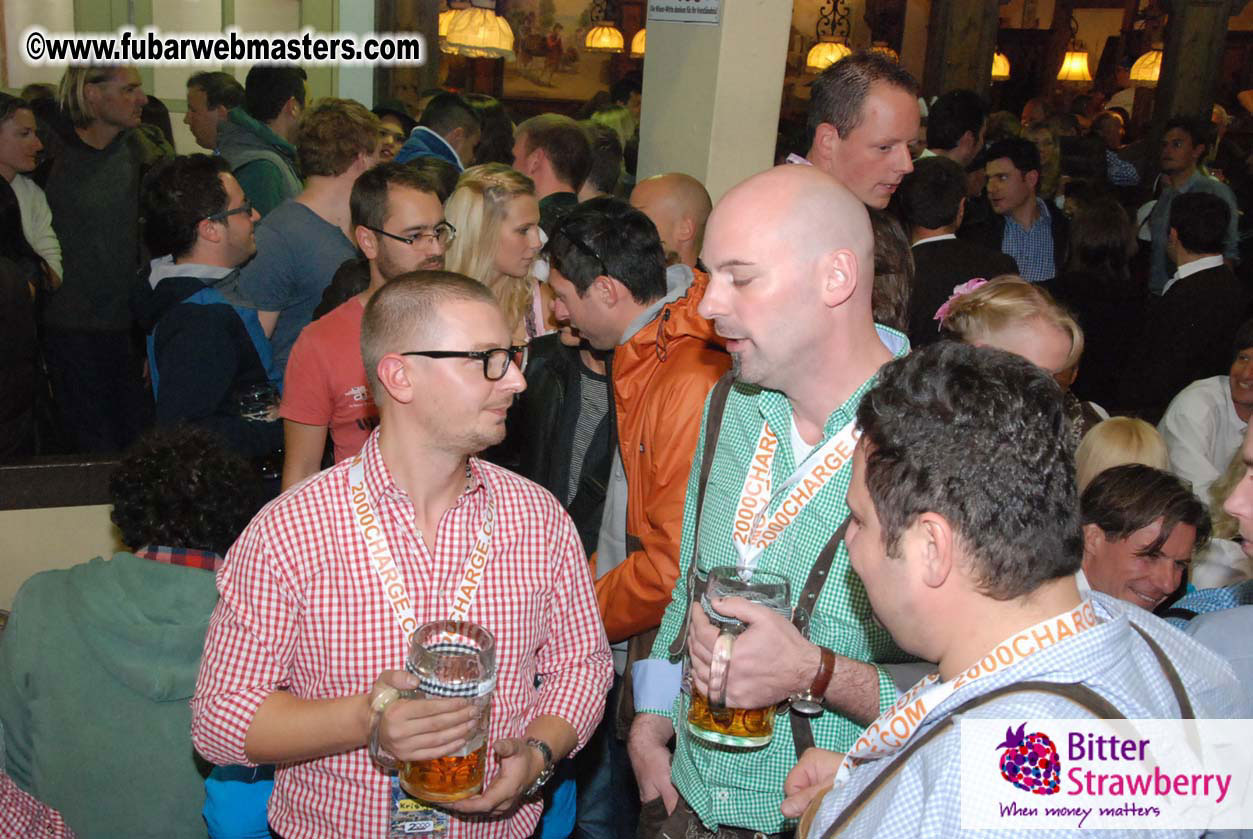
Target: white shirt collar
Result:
[[796, 158], [1082, 581], [1193, 267], [939, 238]]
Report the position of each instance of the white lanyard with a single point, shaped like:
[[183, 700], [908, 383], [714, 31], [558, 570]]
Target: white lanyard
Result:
[[384, 563], [892, 730], [752, 530]]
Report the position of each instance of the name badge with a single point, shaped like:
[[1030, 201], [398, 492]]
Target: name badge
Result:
[[412, 819]]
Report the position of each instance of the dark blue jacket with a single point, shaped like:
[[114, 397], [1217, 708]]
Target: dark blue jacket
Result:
[[202, 352]]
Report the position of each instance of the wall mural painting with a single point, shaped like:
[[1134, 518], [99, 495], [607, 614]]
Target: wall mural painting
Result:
[[551, 62]]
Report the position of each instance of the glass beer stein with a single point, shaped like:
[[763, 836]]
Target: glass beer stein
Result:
[[708, 717], [452, 659]]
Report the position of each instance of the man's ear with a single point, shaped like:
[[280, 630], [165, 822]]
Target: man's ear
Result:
[[1032, 178], [607, 290], [685, 229], [839, 272], [367, 240], [961, 212], [395, 377], [936, 545], [826, 138], [209, 231], [1093, 538]]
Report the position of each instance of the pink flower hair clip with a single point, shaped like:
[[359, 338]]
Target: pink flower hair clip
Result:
[[958, 291]]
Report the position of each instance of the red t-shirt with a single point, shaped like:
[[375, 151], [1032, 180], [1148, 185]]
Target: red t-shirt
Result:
[[325, 381]]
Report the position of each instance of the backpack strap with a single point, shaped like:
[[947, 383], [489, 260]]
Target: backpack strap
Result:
[[1077, 693], [713, 428]]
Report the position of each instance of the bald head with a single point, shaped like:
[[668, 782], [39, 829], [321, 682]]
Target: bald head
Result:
[[790, 256], [807, 211], [679, 205]]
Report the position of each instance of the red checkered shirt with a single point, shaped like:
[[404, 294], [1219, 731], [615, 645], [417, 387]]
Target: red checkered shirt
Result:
[[302, 609], [187, 557], [23, 815]]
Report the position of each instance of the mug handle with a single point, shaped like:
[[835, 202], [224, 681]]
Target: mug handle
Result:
[[385, 697], [718, 667]]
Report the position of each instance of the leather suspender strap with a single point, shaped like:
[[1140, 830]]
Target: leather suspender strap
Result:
[[1172, 676], [802, 730], [1077, 693], [713, 428]]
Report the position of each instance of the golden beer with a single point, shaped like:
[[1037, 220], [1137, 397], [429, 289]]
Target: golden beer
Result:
[[450, 778], [730, 726]]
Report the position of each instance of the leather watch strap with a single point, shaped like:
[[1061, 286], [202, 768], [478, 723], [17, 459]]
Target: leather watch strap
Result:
[[826, 667]]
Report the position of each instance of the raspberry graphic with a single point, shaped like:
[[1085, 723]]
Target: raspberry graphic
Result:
[[1030, 762]]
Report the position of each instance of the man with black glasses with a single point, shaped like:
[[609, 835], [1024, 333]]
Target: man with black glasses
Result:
[[319, 595], [206, 353], [398, 223]]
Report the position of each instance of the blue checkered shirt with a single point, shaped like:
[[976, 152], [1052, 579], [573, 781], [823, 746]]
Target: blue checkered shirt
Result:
[[923, 799], [1031, 248]]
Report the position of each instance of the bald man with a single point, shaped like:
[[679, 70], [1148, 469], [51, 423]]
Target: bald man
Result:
[[791, 267], [679, 205], [863, 113]]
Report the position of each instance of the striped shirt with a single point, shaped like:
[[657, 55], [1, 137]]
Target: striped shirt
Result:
[[744, 788], [301, 609]]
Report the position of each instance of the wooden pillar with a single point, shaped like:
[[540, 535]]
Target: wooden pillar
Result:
[[406, 83], [1196, 35], [961, 39]]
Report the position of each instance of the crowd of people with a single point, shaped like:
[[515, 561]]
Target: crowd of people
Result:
[[951, 374]]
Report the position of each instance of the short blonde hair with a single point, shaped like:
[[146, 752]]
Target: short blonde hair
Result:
[[72, 93], [1116, 442], [477, 208], [1005, 301], [332, 133]]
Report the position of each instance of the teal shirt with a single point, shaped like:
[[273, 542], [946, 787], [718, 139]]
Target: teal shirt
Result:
[[744, 788]]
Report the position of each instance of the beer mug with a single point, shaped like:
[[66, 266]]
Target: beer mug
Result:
[[708, 717], [452, 659]]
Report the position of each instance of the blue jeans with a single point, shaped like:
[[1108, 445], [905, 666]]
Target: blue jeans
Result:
[[608, 799]]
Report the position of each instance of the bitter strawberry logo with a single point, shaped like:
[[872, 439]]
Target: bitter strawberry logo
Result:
[[1030, 762]]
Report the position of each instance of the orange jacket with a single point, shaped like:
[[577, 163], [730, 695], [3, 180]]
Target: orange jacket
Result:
[[661, 377]]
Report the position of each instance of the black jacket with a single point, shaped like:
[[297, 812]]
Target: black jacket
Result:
[[541, 432], [1187, 336], [938, 267], [991, 229], [202, 357]]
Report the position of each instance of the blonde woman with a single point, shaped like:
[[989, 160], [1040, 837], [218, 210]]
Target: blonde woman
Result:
[[1223, 561], [1116, 442], [1011, 314], [496, 214]]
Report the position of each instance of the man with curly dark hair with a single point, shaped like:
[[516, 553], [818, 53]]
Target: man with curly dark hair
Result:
[[99, 660], [965, 530]]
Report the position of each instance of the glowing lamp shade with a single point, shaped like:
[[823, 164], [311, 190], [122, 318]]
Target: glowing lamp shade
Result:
[[1147, 69], [604, 37], [445, 18], [1000, 67], [1075, 67], [637, 44], [825, 53], [882, 48], [478, 32]]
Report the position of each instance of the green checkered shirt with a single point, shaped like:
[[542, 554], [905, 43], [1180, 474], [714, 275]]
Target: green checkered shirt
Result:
[[744, 788]]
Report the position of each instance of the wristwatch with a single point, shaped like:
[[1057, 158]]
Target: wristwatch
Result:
[[547, 772], [809, 703]]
